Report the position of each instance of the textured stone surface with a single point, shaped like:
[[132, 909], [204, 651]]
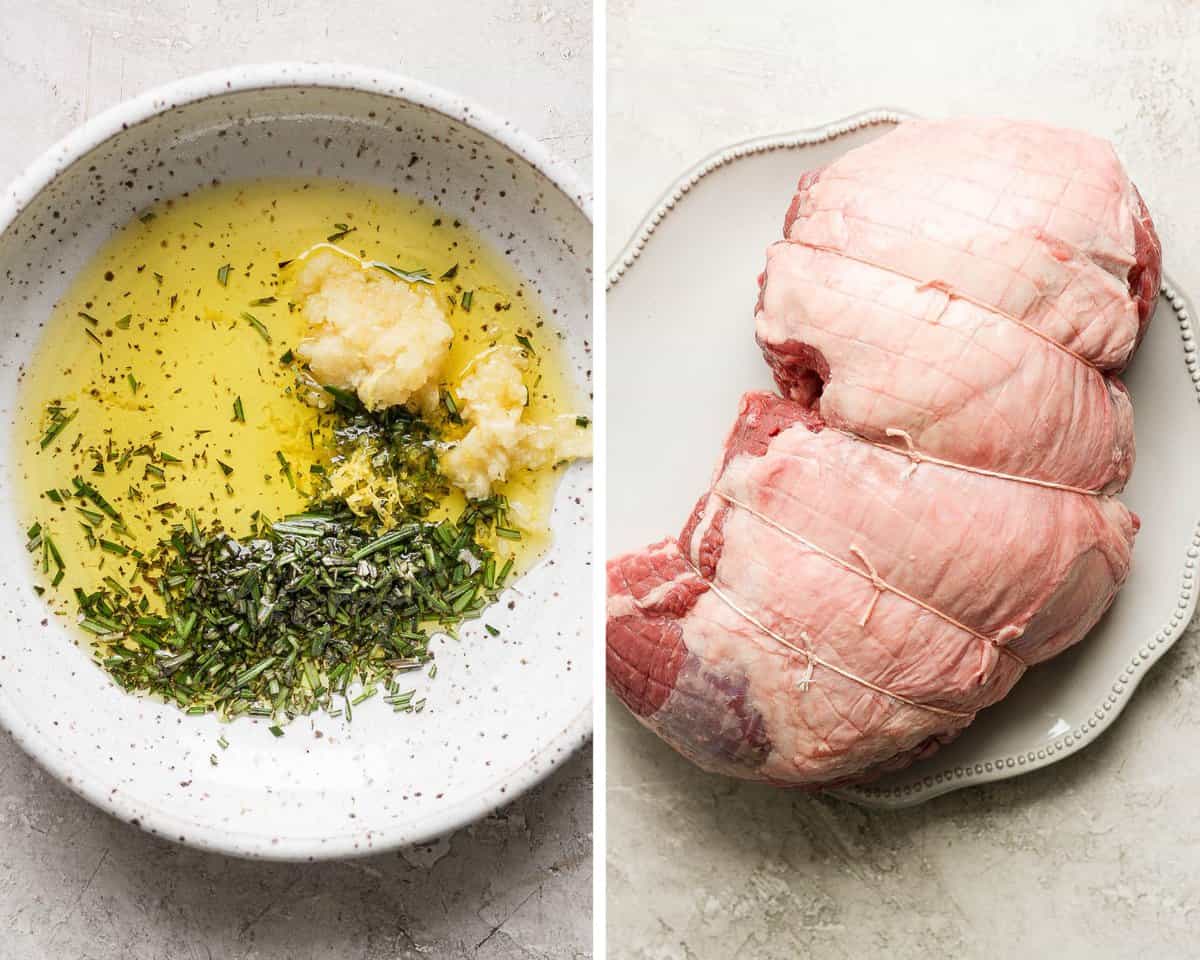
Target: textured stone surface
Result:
[[76, 883], [73, 882], [1097, 856]]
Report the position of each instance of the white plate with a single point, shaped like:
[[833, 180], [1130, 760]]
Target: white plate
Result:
[[502, 712], [681, 348]]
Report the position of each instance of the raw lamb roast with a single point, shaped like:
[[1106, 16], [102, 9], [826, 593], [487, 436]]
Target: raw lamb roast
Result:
[[928, 508]]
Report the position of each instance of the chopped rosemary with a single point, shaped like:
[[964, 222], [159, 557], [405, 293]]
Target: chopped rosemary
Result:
[[262, 301], [345, 401], [286, 467], [58, 421], [524, 342], [87, 491], [420, 275], [451, 273], [40, 541], [223, 275], [95, 519], [280, 622], [451, 406], [319, 610], [583, 422], [341, 230], [258, 325], [239, 414], [468, 298]]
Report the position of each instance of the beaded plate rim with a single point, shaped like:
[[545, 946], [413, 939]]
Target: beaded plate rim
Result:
[[1136, 667]]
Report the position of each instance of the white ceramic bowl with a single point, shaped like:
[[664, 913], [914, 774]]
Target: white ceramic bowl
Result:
[[502, 713]]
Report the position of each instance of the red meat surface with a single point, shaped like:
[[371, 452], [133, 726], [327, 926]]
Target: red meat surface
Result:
[[928, 508]]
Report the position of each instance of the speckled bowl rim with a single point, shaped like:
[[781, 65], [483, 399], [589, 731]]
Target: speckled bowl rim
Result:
[[140, 109]]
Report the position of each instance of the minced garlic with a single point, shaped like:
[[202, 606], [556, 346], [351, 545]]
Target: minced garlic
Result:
[[492, 398], [383, 338]]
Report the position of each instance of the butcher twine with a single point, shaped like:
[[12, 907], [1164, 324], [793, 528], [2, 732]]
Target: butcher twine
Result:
[[917, 457], [813, 658], [952, 294], [912, 453], [877, 581]]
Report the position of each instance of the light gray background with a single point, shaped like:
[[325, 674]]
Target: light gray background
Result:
[[1095, 857], [75, 883]]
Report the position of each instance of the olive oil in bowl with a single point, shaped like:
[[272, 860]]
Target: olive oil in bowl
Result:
[[166, 397]]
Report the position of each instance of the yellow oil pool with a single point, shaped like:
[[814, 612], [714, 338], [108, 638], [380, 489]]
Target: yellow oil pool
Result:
[[165, 355]]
